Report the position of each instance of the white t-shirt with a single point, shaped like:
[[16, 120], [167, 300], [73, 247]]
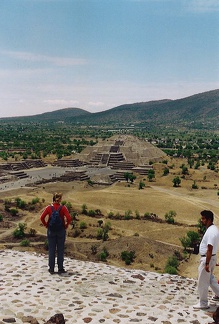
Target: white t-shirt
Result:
[[211, 237]]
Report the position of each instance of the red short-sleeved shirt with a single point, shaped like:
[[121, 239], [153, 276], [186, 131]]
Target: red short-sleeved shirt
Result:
[[64, 214]]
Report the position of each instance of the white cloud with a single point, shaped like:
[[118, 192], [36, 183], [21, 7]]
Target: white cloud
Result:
[[55, 60], [96, 104], [61, 102], [202, 5]]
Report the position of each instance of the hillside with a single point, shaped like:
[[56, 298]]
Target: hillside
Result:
[[200, 110], [55, 116]]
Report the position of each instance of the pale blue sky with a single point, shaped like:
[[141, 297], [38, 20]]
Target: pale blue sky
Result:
[[97, 54]]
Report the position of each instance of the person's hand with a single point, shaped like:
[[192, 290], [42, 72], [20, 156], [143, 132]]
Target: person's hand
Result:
[[207, 267]]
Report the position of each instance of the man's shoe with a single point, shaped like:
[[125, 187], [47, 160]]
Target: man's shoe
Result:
[[51, 271], [60, 271], [198, 306], [215, 297]]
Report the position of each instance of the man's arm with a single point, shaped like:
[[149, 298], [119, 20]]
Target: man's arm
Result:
[[208, 257]]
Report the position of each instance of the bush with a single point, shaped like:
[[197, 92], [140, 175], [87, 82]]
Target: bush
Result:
[[137, 215], [32, 232], [91, 213], [110, 214], [141, 185], [169, 217], [25, 243], [166, 171], [128, 257], [173, 261], [20, 203], [100, 222], [34, 201], [82, 225], [171, 270], [93, 249], [171, 265], [99, 233], [13, 211], [84, 209], [194, 185], [103, 255], [19, 231], [176, 181], [1, 217], [76, 232]]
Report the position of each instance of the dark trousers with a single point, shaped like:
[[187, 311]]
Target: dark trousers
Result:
[[56, 242]]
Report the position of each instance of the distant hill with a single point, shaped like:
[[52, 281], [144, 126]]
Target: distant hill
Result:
[[200, 109], [57, 115]]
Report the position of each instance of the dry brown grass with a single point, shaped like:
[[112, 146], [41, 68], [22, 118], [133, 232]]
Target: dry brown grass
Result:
[[146, 238]]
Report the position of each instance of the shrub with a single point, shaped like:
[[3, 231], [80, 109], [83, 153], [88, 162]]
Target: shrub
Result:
[[13, 211], [82, 225], [20, 203], [166, 171], [1, 217], [171, 270], [110, 214], [34, 201], [69, 206], [100, 222], [104, 254], [107, 226], [137, 214], [172, 262], [176, 181], [90, 182], [84, 209], [169, 217], [128, 257], [194, 185], [91, 213], [141, 185], [76, 232], [32, 232], [99, 233], [185, 241], [128, 214], [25, 243], [19, 231], [93, 249]]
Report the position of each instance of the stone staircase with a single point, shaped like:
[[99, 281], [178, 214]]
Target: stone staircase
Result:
[[69, 163]]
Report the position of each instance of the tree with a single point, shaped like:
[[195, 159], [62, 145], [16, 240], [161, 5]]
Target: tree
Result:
[[132, 177], [126, 176], [84, 209], [184, 169], [151, 175], [169, 217], [141, 185], [19, 231], [166, 171], [129, 177], [176, 181]]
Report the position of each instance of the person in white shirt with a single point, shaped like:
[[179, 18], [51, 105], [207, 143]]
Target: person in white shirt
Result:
[[208, 250]]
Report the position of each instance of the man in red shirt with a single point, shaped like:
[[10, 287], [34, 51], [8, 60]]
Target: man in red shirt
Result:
[[56, 238]]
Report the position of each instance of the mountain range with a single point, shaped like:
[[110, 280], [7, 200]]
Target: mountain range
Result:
[[202, 108]]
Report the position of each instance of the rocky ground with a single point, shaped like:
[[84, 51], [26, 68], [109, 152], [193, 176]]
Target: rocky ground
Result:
[[93, 293]]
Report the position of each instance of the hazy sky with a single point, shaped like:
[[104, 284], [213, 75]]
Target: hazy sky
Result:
[[97, 54]]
